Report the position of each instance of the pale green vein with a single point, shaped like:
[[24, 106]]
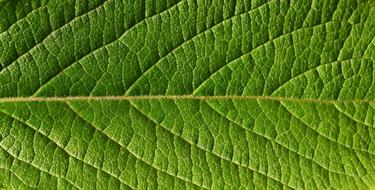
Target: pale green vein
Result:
[[53, 32], [251, 51], [125, 148], [331, 140], [13, 174], [191, 39], [20, 19], [279, 144], [314, 69], [106, 45], [64, 150], [207, 151], [351, 117], [351, 149]]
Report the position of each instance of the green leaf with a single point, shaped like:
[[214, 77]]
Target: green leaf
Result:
[[185, 94]]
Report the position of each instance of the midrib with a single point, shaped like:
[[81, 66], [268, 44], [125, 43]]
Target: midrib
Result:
[[178, 97]]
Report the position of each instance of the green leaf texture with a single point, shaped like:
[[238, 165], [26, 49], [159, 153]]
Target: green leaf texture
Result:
[[187, 94]]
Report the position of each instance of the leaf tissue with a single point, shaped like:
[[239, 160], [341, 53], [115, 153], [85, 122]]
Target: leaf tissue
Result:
[[187, 94]]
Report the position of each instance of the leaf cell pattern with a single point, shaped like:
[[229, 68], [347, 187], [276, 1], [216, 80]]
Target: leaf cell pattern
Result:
[[187, 94]]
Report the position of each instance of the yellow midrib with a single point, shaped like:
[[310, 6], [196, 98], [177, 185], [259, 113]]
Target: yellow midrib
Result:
[[178, 97]]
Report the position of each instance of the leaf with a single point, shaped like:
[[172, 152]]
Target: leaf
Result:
[[168, 94]]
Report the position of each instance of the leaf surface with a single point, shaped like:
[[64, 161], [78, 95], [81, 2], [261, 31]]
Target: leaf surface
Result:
[[168, 94]]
